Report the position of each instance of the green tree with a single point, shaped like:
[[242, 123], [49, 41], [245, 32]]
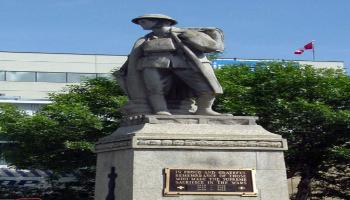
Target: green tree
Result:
[[308, 107], [61, 136]]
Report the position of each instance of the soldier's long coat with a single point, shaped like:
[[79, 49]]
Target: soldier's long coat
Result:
[[131, 81]]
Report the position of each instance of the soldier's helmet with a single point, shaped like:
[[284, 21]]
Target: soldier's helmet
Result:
[[155, 16]]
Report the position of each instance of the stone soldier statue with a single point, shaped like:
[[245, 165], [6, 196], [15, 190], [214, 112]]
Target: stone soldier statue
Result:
[[167, 68]]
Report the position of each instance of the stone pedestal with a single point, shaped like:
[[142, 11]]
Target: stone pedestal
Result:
[[144, 146]]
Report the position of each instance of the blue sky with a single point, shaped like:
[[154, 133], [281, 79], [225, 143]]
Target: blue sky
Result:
[[261, 29]]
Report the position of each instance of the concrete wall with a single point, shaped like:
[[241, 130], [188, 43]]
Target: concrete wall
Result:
[[30, 90], [324, 64], [59, 62]]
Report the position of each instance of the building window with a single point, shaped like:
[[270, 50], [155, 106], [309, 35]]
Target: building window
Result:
[[52, 77], [2, 76], [105, 75], [78, 77], [20, 76]]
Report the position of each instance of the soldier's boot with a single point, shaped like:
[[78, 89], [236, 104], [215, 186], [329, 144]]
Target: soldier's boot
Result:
[[158, 104], [204, 104]]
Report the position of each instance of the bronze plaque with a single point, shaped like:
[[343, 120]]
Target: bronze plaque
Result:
[[210, 182]]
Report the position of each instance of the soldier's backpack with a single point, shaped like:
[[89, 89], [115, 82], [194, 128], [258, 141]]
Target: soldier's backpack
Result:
[[205, 39]]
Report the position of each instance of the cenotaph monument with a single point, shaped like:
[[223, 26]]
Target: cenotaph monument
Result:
[[171, 145]]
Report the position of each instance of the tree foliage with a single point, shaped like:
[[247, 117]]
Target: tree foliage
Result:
[[61, 136], [308, 107]]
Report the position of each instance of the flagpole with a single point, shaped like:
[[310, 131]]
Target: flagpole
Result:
[[313, 50]]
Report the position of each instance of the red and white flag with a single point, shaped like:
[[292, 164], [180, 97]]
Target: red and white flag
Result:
[[299, 51], [307, 46]]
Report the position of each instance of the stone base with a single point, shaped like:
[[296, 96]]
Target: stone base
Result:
[[144, 146]]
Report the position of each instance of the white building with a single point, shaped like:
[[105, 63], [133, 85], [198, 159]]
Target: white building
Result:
[[26, 78]]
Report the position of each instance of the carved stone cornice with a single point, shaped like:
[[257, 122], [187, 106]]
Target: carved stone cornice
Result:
[[166, 143], [231, 144], [188, 119]]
